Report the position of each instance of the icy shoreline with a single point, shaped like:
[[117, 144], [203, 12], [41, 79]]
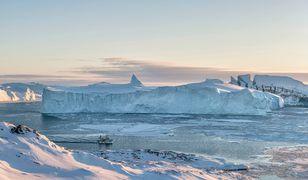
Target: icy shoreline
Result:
[[26, 154]]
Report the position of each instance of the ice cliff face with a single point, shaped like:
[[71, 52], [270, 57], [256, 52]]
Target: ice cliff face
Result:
[[292, 91], [21, 92], [209, 97]]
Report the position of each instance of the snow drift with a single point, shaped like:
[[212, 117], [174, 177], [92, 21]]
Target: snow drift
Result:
[[26, 154], [208, 97]]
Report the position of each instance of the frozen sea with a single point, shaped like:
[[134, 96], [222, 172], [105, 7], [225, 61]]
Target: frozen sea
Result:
[[240, 139]]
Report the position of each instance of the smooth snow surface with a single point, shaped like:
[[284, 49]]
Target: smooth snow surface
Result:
[[208, 97], [30, 155]]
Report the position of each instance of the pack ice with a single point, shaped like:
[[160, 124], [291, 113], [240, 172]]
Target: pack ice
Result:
[[209, 97]]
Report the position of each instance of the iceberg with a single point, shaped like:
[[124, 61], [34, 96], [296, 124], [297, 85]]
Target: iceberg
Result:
[[209, 97], [281, 81], [244, 80], [21, 92], [293, 92]]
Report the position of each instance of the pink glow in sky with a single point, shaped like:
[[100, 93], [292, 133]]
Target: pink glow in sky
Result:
[[172, 41]]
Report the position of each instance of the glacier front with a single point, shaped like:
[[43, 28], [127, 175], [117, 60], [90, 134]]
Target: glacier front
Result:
[[208, 97]]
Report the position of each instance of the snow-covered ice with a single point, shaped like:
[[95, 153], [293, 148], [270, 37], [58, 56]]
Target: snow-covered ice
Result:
[[208, 97], [286, 162]]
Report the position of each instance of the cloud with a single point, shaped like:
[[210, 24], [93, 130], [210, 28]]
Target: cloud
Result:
[[120, 69], [46, 79], [28, 76]]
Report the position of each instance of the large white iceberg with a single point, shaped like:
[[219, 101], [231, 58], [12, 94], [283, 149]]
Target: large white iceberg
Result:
[[208, 97]]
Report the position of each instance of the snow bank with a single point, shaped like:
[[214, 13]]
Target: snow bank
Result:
[[208, 97], [29, 155], [26, 154]]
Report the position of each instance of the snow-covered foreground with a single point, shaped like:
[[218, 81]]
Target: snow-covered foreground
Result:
[[26, 154], [208, 97]]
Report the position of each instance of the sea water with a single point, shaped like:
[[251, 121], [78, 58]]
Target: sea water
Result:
[[234, 138]]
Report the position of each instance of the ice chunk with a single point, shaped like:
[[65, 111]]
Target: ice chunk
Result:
[[245, 81], [135, 81]]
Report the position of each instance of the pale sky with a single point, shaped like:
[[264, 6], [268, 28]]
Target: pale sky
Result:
[[84, 41]]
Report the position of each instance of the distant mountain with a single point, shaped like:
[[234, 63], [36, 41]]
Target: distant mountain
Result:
[[293, 92]]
